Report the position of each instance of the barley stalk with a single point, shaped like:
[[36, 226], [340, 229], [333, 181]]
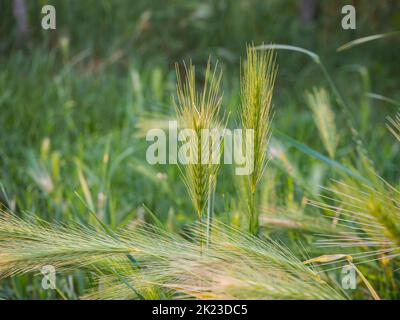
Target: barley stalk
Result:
[[257, 83], [198, 110]]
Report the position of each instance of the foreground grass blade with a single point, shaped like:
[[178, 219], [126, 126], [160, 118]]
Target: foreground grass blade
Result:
[[336, 257], [233, 266]]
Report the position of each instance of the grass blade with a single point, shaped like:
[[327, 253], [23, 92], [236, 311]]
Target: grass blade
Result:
[[362, 40]]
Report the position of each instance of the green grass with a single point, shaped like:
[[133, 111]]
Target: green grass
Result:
[[72, 153]]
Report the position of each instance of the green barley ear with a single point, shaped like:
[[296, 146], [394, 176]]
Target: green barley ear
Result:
[[324, 118], [369, 218], [257, 84], [197, 110]]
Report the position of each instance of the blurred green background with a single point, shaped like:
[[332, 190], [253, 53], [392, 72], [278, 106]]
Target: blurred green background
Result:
[[74, 101]]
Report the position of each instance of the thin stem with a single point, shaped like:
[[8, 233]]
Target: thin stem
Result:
[[210, 208], [201, 236], [364, 279], [253, 214]]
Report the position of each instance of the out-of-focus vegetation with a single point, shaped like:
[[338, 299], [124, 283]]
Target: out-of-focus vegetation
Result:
[[75, 106]]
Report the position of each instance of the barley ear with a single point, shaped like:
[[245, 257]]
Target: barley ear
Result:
[[257, 84], [198, 110]]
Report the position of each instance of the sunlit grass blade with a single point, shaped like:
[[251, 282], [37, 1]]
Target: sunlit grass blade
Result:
[[366, 39], [382, 98], [309, 53], [335, 257]]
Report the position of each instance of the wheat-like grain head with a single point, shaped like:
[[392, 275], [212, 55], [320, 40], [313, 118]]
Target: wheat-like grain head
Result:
[[257, 84], [369, 216], [324, 118], [198, 110]]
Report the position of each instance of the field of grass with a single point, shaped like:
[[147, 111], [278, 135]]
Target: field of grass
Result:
[[77, 193]]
